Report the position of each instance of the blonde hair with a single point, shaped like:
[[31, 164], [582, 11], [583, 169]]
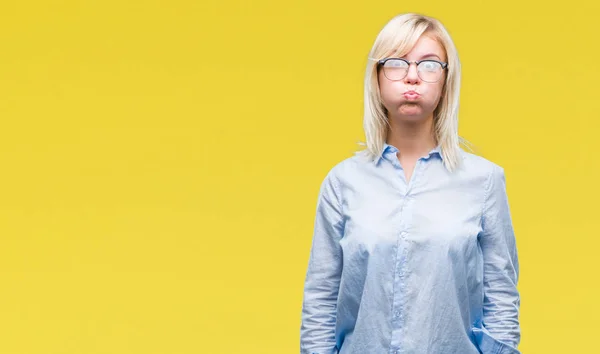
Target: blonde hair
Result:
[[397, 38]]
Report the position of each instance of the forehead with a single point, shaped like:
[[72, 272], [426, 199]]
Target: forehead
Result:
[[426, 45]]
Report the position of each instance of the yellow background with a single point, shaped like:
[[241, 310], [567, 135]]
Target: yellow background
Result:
[[161, 162]]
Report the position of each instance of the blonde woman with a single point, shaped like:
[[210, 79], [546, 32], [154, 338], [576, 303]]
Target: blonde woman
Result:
[[413, 248]]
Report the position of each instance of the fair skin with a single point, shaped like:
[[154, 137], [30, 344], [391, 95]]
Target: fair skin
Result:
[[411, 116]]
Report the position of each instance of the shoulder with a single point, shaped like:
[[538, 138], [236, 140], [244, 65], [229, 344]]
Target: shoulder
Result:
[[489, 172], [480, 165], [348, 168], [345, 173]]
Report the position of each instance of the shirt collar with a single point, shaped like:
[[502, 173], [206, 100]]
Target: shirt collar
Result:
[[388, 150]]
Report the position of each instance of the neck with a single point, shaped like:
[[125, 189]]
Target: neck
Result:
[[412, 138]]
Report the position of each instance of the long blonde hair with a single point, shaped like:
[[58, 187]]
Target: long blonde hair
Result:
[[397, 38]]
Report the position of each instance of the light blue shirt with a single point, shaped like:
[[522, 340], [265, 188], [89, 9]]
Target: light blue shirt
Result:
[[425, 267]]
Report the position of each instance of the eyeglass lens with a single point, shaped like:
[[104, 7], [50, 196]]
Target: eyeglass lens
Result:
[[428, 70]]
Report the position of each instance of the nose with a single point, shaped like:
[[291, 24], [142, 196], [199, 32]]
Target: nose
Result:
[[412, 76]]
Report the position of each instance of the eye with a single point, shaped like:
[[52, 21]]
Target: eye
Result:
[[430, 65], [396, 63]]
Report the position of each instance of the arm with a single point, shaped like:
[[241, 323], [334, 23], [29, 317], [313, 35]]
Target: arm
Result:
[[501, 266], [317, 333]]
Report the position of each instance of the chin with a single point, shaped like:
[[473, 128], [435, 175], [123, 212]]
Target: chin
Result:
[[411, 112]]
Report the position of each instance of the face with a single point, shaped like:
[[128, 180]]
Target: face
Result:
[[396, 96]]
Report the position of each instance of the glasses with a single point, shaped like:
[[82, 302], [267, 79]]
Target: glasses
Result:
[[395, 69]]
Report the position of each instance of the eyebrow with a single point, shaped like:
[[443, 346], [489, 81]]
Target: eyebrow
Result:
[[428, 55]]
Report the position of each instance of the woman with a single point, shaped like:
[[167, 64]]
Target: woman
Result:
[[413, 248]]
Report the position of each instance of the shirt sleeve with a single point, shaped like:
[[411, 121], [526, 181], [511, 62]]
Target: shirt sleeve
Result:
[[317, 333], [501, 266]]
